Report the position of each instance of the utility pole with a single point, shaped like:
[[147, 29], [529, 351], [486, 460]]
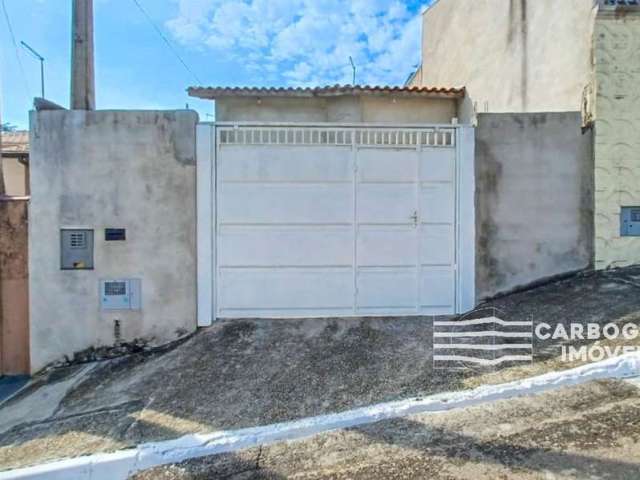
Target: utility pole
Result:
[[83, 95], [40, 58]]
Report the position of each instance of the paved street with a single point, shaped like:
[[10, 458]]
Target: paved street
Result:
[[586, 432]]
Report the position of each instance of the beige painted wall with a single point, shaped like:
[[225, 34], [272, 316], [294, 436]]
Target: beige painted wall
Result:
[[617, 144], [123, 169], [15, 177], [345, 109], [512, 55]]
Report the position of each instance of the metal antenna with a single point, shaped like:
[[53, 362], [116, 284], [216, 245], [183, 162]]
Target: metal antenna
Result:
[[353, 66], [39, 57]]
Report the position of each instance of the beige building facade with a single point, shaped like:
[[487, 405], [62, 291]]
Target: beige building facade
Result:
[[15, 163], [511, 55], [617, 143], [339, 104], [549, 56]]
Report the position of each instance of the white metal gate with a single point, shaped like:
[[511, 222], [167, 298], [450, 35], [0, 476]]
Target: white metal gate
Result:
[[332, 221]]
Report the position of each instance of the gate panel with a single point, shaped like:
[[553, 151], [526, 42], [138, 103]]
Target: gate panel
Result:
[[285, 231], [387, 232], [322, 221], [437, 210]]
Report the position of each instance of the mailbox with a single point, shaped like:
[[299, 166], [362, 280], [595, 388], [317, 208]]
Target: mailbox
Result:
[[76, 249]]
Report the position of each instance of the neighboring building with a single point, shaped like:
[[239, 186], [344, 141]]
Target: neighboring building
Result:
[[14, 214], [15, 163], [512, 55], [554, 56], [340, 104]]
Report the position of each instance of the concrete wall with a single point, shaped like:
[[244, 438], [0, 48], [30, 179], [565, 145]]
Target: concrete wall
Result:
[[534, 199], [617, 143], [14, 288], [512, 55], [134, 170], [345, 109]]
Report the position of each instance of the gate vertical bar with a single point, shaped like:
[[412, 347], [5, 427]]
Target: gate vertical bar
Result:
[[465, 215], [354, 169], [204, 225], [419, 223]]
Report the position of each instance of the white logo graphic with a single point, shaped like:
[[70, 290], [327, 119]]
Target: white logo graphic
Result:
[[488, 341]]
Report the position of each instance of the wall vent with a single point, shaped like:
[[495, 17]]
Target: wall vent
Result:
[[78, 240]]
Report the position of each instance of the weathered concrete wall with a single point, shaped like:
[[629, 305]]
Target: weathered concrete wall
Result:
[[617, 143], [345, 109], [14, 286], [133, 170], [534, 199], [512, 55]]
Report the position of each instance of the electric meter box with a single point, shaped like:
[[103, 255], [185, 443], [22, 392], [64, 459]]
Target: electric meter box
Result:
[[120, 294], [630, 222]]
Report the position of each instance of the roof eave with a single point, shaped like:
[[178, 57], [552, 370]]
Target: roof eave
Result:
[[214, 93]]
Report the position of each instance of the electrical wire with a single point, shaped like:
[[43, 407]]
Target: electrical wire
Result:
[[166, 40], [26, 85]]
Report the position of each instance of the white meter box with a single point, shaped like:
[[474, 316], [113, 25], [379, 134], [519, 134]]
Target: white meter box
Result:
[[120, 294]]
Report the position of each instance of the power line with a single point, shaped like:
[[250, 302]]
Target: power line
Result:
[[17, 50], [166, 40]]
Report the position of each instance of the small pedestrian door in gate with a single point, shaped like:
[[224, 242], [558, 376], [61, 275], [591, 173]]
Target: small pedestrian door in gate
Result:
[[405, 230]]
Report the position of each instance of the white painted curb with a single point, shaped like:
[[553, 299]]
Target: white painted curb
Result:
[[119, 465]]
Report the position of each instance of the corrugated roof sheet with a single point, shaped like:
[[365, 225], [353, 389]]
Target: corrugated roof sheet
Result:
[[15, 142], [328, 91]]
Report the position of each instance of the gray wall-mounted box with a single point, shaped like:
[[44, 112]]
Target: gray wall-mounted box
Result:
[[120, 294], [76, 249], [630, 222]]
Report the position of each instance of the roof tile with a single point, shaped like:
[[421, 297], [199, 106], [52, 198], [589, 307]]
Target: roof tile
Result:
[[15, 142], [330, 90]]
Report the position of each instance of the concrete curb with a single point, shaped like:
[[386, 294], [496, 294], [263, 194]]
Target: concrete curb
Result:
[[119, 465]]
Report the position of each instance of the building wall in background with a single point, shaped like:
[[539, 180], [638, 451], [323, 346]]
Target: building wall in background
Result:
[[340, 109], [617, 142], [14, 286], [16, 177], [112, 169], [534, 199], [512, 55]]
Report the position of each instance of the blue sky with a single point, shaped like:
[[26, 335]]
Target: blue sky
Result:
[[224, 42]]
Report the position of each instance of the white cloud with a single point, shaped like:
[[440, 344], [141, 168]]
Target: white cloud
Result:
[[307, 41]]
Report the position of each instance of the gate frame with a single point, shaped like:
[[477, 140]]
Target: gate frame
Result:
[[206, 153]]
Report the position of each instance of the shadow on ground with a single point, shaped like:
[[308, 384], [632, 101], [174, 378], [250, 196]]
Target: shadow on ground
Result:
[[587, 431]]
